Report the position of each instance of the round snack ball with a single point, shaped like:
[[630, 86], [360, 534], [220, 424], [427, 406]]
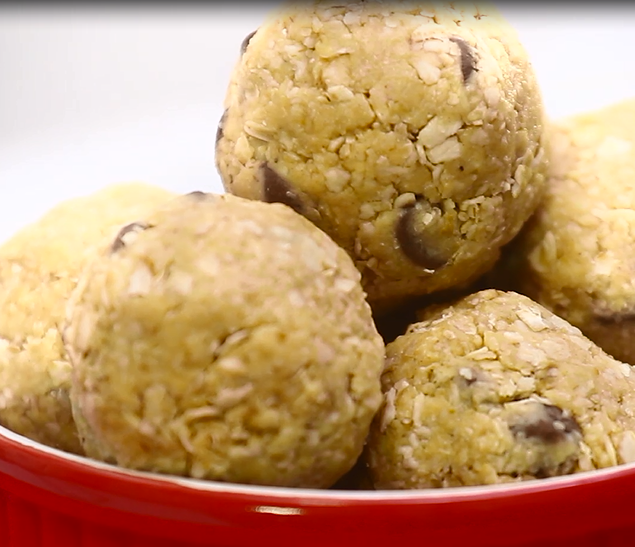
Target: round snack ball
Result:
[[575, 256], [497, 389], [412, 134], [39, 267], [225, 339]]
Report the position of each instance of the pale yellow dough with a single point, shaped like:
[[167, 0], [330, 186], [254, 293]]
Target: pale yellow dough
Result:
[[412, 133], [576, 256], [227, 339], [39, 267], [497, 389]]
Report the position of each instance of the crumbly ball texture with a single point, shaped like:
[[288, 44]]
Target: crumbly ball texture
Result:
[[226, 339], [411, 133], [497, 389], [39, 267], [576, 256]]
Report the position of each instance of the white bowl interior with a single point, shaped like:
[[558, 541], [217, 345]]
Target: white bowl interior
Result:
[[331, 496]]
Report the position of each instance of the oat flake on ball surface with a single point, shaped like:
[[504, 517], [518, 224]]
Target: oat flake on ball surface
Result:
[[411, 133], [225, 339]]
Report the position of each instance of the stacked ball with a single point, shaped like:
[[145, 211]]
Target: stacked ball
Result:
[[385, 165]]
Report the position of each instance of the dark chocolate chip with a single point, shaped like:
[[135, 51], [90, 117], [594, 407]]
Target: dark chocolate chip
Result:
[[277, 189], [197, 194], [414, 246], [470, 377], [468, 61], [616, 318], [119, 240], [551, 428], [245, 43], [219, 131], [545, 473], [565, 467]]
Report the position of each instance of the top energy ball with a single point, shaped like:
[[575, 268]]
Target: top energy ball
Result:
[[411, 133]]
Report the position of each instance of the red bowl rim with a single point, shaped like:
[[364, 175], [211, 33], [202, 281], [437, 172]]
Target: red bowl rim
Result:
[[16, 442]]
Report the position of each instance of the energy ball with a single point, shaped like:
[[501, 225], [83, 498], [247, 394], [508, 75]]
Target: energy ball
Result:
[[39, 267], [497, 389], [576, 255], [412, 133], [225, 339]]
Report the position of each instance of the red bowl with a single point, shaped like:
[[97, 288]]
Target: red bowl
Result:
[[50, 499]]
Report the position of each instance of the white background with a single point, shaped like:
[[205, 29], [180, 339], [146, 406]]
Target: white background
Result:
[[95, 95]]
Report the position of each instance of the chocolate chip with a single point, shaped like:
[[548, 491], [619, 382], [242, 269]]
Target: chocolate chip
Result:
[[221, 125], [245, 43], [197, 194], [468, 376], [468, 61], [615, 318], [120, 240], [277, 189], [416, 246], [546, 472], [565, 467], [551, 426]]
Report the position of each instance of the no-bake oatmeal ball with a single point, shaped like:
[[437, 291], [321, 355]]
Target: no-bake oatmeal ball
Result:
[[226, 339], [39, 267], [412, 133], [576, 256], [495, 389]]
